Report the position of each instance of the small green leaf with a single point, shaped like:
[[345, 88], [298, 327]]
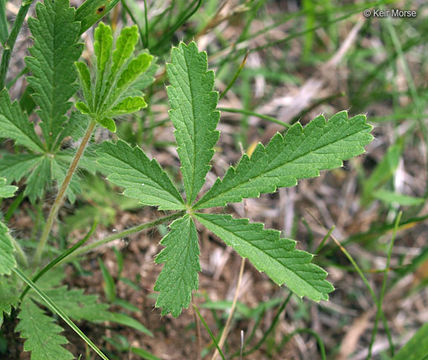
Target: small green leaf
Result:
[[102, 47], [15, 125], [128, 105], [83, 108], [270, 253], [6, 190], [383, 172], [55, 50], [193, 114], [41, 334], [134, 69], [125, 46], [126, 320], [389, 197], [300, 154], [108, 123], [144, 354], [85, 82], [179, 275], [142, 178], [7, 259]]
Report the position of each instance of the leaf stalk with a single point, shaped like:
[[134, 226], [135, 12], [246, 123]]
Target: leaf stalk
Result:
[[61, 193]]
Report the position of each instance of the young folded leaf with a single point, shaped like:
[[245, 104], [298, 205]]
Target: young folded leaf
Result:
[[55, 49], [179, 275], [300, 154], [270, 253], [7, 259], [117, 72], [142, 178], [193, 113], [41, 334]]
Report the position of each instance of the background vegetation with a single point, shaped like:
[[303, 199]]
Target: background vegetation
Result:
[[276, 62]]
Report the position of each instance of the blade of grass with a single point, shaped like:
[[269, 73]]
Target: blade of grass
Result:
[[124, 233], [58, 259], [3, 22], [360, 273], [10, 42], [251, 113], [383, 288], [209, 331], [187, 14], [54, 308], [234, 77]]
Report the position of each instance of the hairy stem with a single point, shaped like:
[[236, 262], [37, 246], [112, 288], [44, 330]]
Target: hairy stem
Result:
[[122, 234], [61, 193], [10, 42]]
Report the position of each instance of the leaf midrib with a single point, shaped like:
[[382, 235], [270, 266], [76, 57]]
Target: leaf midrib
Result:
[[152, 178], [197, 205], [270, 256]]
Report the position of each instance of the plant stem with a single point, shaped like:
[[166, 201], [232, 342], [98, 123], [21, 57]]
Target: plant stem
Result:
[[124, 233], [10, 43], [61, 193]]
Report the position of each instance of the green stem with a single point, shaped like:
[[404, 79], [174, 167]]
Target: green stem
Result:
[[251, 113], [19, 252], [57, 260], [61, 193], [57, 310], [10, 43], [124, 233]]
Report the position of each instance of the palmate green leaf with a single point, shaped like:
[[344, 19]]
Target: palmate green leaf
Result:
[[142, 178], [179, 275], [117, 89], [15, 125], [9, 297], [38, 179], [193, 114], [55, 50], [6, 190], [301, 153], [7, 259], [41, 334], [16, 166], [269, 253]]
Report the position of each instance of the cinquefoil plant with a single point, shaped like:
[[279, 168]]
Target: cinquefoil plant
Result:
[[113, 90], [300, 153]]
